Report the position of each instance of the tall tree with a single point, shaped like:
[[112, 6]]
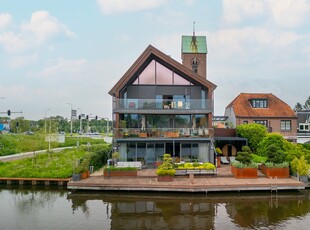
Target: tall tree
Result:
[[298, 107], [307, 104]]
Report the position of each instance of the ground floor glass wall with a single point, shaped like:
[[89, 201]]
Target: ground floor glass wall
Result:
[[150, 153]]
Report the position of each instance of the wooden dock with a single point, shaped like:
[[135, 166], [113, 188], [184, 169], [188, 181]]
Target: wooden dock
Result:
[[35, 181], [147, 181]]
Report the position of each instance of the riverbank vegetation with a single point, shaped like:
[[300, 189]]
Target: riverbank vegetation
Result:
[[18, 143], [55, 165]]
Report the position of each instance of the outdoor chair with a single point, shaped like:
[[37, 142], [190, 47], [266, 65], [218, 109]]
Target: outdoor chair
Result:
[[224, 160], [231, 159]]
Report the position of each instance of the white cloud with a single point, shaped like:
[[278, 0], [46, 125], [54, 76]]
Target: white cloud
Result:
[[5, 20], [246, 42], [20, 61], [289, 13], [63, 67], [234, 11], [114, 6], [41, 28], [283, 13], [44, 26]]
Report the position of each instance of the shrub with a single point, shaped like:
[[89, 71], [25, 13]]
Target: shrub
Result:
[[300, 166], [253, 132], [113, 168], [166, 168], [238, 164], [274, 154], [258, 159]]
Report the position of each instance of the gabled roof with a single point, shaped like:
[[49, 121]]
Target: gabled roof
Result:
[[276, 107], [153, 53]]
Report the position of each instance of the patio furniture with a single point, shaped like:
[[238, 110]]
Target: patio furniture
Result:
[[231, 159], [224, 160]]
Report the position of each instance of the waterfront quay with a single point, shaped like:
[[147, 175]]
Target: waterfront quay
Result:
[[223, 181]]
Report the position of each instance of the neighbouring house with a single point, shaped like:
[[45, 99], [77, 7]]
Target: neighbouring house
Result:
[[303, 126], [265, 109], [162, 106]]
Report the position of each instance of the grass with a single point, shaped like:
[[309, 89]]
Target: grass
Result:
[[12, 144], [53, 165]]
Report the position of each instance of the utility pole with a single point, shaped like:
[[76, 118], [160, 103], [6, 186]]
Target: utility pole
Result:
[[71, 118], [45, 119]]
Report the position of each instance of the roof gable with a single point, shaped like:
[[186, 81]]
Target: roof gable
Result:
[[276, 107], [144, 59]]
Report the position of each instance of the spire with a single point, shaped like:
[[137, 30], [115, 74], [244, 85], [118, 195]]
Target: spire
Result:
[[194, 42]]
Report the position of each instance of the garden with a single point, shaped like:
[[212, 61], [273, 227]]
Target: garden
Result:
[[57, 165], [270, 152]]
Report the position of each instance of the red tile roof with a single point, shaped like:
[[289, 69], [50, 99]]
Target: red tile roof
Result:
[[275, 106]]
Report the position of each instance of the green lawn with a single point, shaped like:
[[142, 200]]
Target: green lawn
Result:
[[53, 165], [12, 144]]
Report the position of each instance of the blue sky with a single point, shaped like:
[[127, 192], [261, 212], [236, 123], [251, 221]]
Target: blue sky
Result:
[[55, 52]]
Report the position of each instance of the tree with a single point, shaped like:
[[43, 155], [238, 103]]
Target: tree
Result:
[[253, 132], [298, 107], [307, 104], [274, 139]]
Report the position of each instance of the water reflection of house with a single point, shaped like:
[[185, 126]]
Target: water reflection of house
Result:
[[163, 214], [162, 106]]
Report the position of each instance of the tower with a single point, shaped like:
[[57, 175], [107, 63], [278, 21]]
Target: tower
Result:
[[194, 53]]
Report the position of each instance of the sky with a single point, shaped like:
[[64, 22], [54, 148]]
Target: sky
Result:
[[59, 54]]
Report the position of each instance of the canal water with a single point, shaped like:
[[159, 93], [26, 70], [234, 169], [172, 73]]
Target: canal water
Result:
[[51, 208]]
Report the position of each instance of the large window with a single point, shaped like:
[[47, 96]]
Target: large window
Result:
[[286, 125], [157, 74], [189, 152]]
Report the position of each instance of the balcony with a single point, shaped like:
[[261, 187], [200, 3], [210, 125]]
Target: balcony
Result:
[[153, 106], [120, 133]]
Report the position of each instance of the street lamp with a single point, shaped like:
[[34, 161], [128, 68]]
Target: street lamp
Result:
[[45, 119], [107, 119], [71, 118], [80, 119]]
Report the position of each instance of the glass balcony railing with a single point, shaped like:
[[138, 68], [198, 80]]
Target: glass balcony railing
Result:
[[153, 104], [163, 133]]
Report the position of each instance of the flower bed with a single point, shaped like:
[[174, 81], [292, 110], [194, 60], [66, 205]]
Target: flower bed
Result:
[[120, 172], [241, 171], [276, 170]]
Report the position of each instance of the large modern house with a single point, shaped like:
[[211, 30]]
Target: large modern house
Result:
[[162, 106], [265, 109]]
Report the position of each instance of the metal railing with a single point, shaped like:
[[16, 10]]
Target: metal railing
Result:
[[163, 132], [153, 104]]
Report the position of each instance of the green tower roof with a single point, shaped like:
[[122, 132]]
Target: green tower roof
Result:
[[194, 44]]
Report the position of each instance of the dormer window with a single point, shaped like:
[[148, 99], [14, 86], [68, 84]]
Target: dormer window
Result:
[[259, 103]]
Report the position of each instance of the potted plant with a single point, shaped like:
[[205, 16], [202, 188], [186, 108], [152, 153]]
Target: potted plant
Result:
[[115, 157], [165, 171], [84, 167], [301, 167], [123, 126], [243, 167], [219, 153], [76, 176], [275, 165]]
